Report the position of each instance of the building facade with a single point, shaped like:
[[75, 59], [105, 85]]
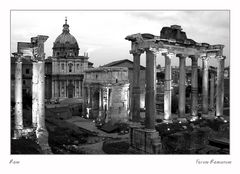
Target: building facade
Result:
[[67, 67]]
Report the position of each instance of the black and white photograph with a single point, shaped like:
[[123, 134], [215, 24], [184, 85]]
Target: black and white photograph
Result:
[[81, 86], [140, 89]]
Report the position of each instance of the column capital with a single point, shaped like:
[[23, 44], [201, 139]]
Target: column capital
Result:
[[193, 57], [169, 55], [18, 57], [181, 56], [136, 51], [38, 47], [153, 50], [204, 58], [220, 57]]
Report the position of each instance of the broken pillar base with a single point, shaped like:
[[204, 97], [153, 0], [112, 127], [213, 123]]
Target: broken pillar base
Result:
[[17, 134], [145, 140], [168, 121], [182, 120], [193, 118], [208, 116], [42, 139]]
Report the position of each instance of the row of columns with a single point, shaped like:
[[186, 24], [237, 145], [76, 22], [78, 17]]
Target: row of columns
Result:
[[38, 89], [38, 97], [57, 88], [150, 86]]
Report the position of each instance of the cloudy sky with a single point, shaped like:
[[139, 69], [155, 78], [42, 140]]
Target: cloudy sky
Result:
[[102, 33]]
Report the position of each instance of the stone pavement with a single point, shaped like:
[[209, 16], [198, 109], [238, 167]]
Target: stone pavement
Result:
[[89, 125]]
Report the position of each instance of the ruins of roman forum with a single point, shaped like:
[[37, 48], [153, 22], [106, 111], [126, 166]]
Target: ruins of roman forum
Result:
[[113, 96]]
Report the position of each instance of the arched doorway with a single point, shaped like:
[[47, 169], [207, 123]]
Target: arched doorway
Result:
[[70, 90]]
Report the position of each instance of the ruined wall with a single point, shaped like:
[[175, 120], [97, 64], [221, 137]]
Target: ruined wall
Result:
[[119, 104], [107, 93]]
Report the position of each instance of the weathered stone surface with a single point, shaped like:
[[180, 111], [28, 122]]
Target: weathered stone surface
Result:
[[209, 150], [186, 142], [147, 141], [115, 147], [25, 146], [59, 112]]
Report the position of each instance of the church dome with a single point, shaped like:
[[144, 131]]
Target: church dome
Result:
[[66, 37], [65, 44]]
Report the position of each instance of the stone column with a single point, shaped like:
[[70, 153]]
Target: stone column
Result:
[[56, 90], [88, 96], [18, 99], [35, 92], [65, 88], [212, 91], [107, 105], [41, 97], [167, 87], [135, 103], [182, 88], [53, 89], [220, 86], [194, 87], [100, 102], [39, 89], [150, 97], [91, 97], [79, 89], [205, 86]]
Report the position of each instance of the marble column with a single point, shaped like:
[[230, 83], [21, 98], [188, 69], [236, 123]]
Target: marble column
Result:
[[182, 88], [212, 91], [205, 85], [167, 87], [91, 97], [39, 79], [88, 96], [41, 97], [100, 102], [194, 87], [53, 89], [135, 99], [18, 99], [35, 92], [79, 89], [150, 97], [65, 89], [220, 86]]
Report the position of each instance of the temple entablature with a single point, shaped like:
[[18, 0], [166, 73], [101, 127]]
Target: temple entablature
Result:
[[163, 44]]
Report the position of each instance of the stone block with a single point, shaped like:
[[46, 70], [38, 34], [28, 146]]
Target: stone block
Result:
[[145, 140]]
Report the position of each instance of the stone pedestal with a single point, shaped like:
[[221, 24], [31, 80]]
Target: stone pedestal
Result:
[[194, 87], [182, 90], [145, 140], [18, 100], [220, 86]]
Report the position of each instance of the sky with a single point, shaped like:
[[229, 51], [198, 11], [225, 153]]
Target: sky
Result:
[[102, 33]]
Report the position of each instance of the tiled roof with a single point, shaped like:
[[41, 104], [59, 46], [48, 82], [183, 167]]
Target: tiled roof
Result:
[[115, 63]]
